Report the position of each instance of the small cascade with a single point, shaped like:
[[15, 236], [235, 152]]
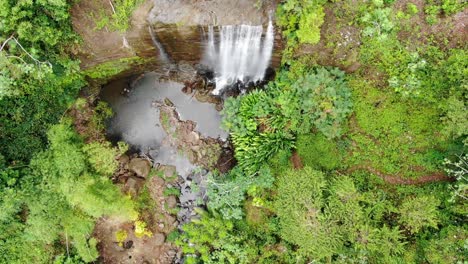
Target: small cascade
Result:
[[162, 53], [239, 54]]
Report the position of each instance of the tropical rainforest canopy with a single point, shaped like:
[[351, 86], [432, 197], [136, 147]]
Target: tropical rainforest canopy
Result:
[[356, 152]]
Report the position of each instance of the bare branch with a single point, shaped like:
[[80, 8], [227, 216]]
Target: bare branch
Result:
[[112, 6], [6, 41], [25, 51]]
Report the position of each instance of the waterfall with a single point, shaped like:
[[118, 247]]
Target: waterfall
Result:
[[239, 53], [162, 53]]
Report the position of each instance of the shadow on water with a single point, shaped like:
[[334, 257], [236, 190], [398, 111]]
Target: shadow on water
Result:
[[136, 118]]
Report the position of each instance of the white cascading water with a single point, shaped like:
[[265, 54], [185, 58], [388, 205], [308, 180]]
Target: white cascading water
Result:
[[239, 54]]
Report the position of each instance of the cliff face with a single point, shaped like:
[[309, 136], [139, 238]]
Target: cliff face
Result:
[[105, 45], [179, 26]]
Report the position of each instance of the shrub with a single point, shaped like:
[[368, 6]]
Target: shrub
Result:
[[449, 246], [141, 229], [299, 207], [102, 157], [320, 98], [419, 212], [226, 195], [318, 152], [264, 122], [301, 22], [309, 25]]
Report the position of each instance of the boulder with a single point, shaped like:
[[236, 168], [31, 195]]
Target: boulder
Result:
[[141, 167], [133, 185], [171, 202], [123, 159], [168, 170]]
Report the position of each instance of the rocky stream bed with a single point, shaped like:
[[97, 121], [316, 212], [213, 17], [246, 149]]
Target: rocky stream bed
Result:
[[172, 124]]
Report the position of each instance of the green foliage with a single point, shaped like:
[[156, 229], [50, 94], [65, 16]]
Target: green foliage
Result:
[[406, 82], [41, 25], [301, 22], [34, 104], [400, 136], [96, 126], [108, 69], [309, 25], [212, 239], [37, 82], [299, 207], [434, 8], [378, 23], [226, 194], [265, 122], [121, 13], [419, 212], [63, 195], [144, 202], [412, 9], [459, 170], [171, 191], [456, 118], [326, 218], [318, 152], [450, 246], [211, 234], [404, 131], [254, 149], [102, 157], [320, 98]]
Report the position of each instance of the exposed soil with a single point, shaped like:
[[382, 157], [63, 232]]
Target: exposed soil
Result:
[[159, 217], [448, 32], [346, 39], [134, 250], [395, 179], [296, 161]]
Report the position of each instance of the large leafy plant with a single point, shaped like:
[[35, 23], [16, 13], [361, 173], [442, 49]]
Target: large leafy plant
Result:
[[266, 121]]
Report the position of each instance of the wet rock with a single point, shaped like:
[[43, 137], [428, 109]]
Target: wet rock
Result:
[[131, 186], [158, 183], [168, 170], [128, 244], [187, 88], [168, 102], [123, 159], [159, 239], [140, 167], [193, 138], [207, 98]]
